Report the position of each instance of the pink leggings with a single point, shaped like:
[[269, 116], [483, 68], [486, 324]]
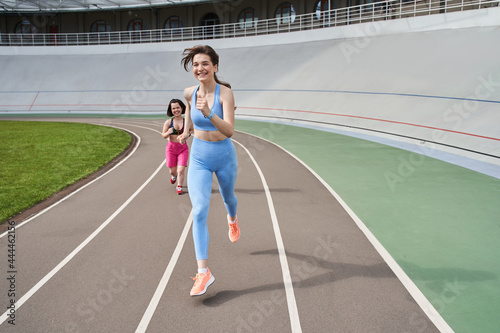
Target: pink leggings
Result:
[[176, 154]]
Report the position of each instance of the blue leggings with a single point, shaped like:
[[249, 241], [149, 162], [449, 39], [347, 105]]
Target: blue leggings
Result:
[[206, 158]]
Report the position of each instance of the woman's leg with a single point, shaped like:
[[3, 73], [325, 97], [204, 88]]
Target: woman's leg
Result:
[[200, 189], [226, 176], [182, 160], [171, 161], [173, 172], [180, 175]]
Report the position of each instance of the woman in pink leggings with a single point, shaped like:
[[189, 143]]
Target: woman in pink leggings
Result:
[[176, 153]]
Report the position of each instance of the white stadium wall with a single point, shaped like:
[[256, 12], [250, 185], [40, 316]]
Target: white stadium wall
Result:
[[434, 79]]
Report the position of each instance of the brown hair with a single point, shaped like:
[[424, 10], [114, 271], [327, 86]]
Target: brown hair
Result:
[[175, 100], [189, 54]]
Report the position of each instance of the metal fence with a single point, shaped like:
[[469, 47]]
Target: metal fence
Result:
[[377, 11]]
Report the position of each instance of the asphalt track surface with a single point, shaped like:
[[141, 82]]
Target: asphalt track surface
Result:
[[116, 255]]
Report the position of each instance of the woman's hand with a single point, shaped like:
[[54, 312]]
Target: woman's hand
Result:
[[202, 105], [181, 138], [167, 133]]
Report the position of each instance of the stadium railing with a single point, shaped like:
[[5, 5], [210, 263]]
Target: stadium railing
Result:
[[376, 11]]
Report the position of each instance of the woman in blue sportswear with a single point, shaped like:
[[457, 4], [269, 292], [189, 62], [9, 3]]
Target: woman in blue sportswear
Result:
[[210, 108]]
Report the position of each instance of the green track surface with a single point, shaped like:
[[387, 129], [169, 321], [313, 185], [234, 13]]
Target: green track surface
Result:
[[439, 221]]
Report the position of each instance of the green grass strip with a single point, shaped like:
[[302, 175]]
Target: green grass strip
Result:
[[42, 158]]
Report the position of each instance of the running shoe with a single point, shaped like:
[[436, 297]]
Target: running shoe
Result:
[[201, 283], [173, 179], [179, 190], [234, 230]]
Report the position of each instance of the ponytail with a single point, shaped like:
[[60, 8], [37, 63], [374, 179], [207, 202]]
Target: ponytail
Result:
[[221, 82]]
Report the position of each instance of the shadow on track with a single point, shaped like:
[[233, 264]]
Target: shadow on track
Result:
[[302, 278]]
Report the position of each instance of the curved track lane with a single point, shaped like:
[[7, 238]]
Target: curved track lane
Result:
[[117, 255]]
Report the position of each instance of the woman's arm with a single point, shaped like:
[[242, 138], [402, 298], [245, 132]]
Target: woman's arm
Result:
[[187, 116], [191, 130], [167, 130]]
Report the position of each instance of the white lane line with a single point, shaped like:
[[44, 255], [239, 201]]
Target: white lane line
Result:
[[287, 279], [134, 125], [84, 186], [412, 288], [148, 314], [154, 122], [47, 277]]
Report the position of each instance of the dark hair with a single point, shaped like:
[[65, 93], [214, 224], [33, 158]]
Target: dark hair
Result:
[[175, 100], [189, 54]]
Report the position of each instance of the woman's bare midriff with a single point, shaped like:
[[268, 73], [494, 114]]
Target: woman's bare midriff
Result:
[[209, 135], [173, 137]]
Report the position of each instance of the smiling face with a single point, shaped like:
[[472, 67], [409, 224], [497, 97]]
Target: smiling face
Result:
[[176, 109], [203, 68]]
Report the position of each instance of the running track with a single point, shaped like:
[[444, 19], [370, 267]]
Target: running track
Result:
[[116, 256]]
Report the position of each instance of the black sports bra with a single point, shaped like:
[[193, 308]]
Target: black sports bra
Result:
[[176, 131]]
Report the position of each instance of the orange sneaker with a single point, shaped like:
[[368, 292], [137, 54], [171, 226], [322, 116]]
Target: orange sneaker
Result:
[[234, 230], [201, 283]]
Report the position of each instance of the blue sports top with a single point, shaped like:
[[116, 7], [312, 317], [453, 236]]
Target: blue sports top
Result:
[[199, 120]]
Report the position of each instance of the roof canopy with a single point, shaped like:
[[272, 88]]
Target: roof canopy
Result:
[[81, 5]]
